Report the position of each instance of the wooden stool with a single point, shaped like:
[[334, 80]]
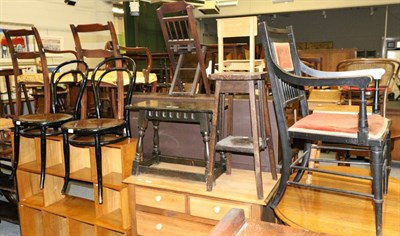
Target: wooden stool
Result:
[[242, 82]]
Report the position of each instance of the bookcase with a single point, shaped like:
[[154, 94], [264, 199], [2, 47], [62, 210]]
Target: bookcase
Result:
[[48, 212]]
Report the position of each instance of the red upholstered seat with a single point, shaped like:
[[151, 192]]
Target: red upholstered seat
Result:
[[340, 124]]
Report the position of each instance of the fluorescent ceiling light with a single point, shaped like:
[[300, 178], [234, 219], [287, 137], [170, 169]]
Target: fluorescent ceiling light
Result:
[[224, 3], [282, 1], [117, 10]]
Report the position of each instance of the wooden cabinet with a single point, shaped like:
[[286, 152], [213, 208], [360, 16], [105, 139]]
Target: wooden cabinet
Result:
[[163, 205], [329, 57], [48, 212]]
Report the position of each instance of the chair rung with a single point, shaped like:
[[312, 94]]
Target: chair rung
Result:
[[331, 189], [332, 172]]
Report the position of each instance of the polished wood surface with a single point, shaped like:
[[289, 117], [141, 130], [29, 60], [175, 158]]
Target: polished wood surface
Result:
[[329, 57], [227, 186], [340, 214], [235, 223]]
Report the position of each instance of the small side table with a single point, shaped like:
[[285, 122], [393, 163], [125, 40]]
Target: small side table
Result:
[[156, 111], [239, 83]]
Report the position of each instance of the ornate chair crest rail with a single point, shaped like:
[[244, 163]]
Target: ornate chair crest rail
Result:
[[360, 131]]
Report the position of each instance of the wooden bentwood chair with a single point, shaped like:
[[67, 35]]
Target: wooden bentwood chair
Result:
[[99, 131], [48, 124], [368, 132]]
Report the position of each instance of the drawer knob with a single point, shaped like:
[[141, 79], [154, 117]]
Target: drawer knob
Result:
[[217, 209], [157, 198], [159, 226]]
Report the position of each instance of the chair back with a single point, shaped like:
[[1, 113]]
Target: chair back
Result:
[[113, 66], [178, 26], [57, 76], [25, 46], [95, 33], [238, 27]]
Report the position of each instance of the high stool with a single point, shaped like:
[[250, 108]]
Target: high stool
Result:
[[242, 82]]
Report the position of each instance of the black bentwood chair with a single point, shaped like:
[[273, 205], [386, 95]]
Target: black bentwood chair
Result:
[[48, 124], [99, 131], [370, 132]]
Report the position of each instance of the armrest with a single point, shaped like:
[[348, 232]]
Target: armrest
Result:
[[134, 51], [375, 73], [328, 79]]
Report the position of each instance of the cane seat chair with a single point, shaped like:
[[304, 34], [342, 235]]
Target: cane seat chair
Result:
[[179, 29], [97, 132], [48, 124], [370, 132], [378, 90], [25, 46], [106, 34]]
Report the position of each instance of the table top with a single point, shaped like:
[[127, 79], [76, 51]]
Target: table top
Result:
[[180, 106]]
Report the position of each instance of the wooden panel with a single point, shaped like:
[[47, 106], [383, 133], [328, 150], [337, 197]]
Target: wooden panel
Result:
[[80, 228], [55, 225], [214, 209], [330, 57], [114, 212], [150, 224], [31, 221], [161, 199]]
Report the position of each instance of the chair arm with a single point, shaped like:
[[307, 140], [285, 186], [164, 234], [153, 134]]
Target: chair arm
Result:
[[375, 73], [134, 51], [360, 81]]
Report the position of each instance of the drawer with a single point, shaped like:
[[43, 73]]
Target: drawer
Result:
[[160, 199], [152, 224], [213, 209]]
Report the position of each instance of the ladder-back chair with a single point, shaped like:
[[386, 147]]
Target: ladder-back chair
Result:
[[105, 34], [370, 132], [25, 46], [179, 29]]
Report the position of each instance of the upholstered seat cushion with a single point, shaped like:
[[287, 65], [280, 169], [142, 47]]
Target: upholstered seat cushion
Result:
[[340, 125]]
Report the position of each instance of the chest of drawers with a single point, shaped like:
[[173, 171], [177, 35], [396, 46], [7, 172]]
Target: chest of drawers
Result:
[[162, 205]]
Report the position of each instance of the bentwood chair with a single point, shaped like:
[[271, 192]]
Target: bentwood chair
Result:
[[99, 131], [378, 90], [85, 33], [370, 132], [179, 29], [48, 124], [25, 46]]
